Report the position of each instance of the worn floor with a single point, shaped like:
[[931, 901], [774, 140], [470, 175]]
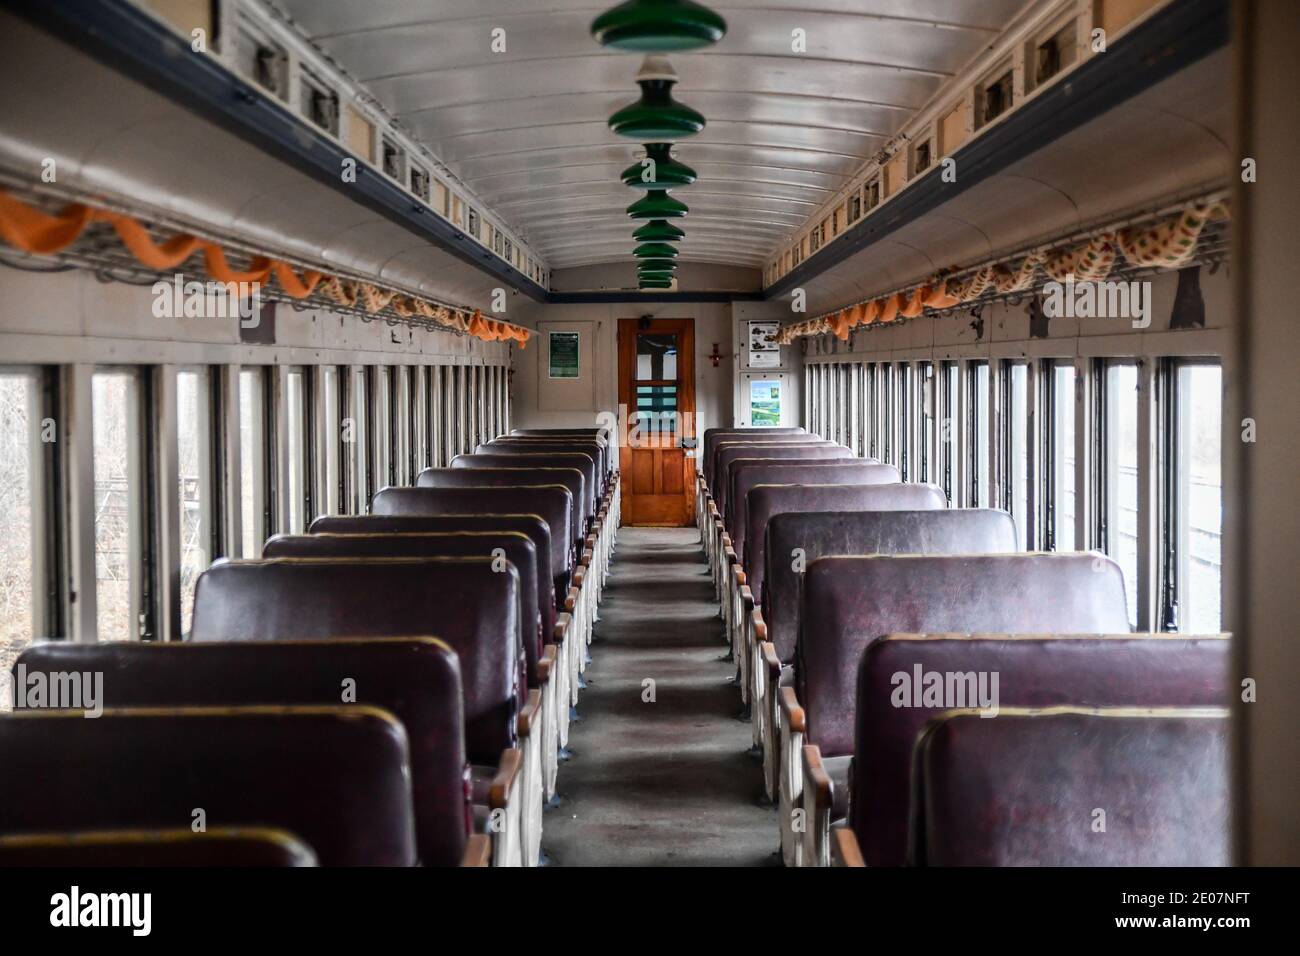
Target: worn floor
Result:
[[664, 782]]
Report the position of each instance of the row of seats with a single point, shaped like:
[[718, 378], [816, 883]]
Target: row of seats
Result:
[[922, 691], [387, 689]]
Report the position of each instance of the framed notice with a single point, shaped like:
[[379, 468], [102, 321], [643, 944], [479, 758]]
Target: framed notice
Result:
[[564, 354], [765, 404]]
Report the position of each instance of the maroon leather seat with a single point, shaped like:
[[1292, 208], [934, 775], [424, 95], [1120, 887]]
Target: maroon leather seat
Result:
[[584, 462], [466, 602], [767, 501], [849, 602], [519, 477], [747, 473], [415, 679], [220, 847], [554, 505], [1032, 671], [538, 531], [337, 776], [600, 449], [729, 452], [820, 534], [515, 547], [1025, 790], [712, 436]]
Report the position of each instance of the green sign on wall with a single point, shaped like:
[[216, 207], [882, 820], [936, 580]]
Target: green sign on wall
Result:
[[564, 354]]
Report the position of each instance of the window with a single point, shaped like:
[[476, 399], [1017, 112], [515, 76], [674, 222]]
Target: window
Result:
[[1117, 474], [870, 425], [921, 158], [194, 449], [255, 497], [419, 420], [885, 397], [297, 451], [996, 98], [356, 439], [382, 427], [401, 427], [329, 461], [906, 417], [392, 159], [1194, 498], [1016, 451], [949, 429], [872, 193], [319, 104], [926, 421], [1052, 54], [1059, 456], [855, 207], [978, 434], [120, 444], [22, 514]]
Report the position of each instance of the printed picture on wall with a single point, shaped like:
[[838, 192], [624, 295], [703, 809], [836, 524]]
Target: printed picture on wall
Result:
[[765, 404], [564, 354]]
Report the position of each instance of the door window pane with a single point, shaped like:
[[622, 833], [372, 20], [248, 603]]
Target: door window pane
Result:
[[1199, 497], [1120, 474], [253, 498], [115, 400], [20, 455], [194, 467], [1061, 436]]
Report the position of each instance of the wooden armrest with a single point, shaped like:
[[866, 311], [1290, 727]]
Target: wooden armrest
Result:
[[746, 595], [478, 850], [812, 758], [844, 847], [588, 556], [579, 576], [546, 663], [571, 600], [563, 621], [531, 710], [772, 662], [793, 712], [512, 760], [760, 626], [590, 543], [738, 573]]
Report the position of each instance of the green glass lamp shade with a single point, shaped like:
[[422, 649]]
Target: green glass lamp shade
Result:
[[656, 265], [658, 230], [655, 250], [656, 283], [658, 26], [657, 204], [658, 170], [656, 115], [654, 276]]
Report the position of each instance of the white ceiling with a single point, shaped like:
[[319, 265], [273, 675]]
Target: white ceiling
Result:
[[526, 129]]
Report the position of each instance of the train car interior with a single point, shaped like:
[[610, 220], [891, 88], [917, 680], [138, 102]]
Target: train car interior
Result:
[[579, 433]]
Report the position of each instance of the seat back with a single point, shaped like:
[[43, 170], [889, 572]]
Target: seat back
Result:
[[600, 449], [535, 526], [746, 473], [512, 546], [552, 503], [712, 436], [818, 535], [221, 846], [570, 478], [731, 452], [849, 602], [417, 679], [337, 776], [1028, 789], [583, 461], [1010, 671], [767, 501], [466, 602]]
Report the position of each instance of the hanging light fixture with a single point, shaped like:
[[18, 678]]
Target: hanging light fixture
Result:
[[657, 204], [656, 265], [658, 170], [655, 284], [658, 26], [655, 250], [656, 115], [658, 230]]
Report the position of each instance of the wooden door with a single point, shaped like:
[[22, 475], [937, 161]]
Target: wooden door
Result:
[[656, 395]]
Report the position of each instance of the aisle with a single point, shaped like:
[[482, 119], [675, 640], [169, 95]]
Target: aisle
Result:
[[665, 782]]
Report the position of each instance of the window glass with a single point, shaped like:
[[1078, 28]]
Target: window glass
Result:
[[1016, 453], [20, 511], [1199, 497], [949, 430], [383, 429], [979, 434], [296, 448], [331, 452], [194, 468], [252, 461], [885, 393], [419, 420], [926, 413], [401, 427], [1061, 436], [905, 415], [356, 432], [115, 401], [1120, 474]]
